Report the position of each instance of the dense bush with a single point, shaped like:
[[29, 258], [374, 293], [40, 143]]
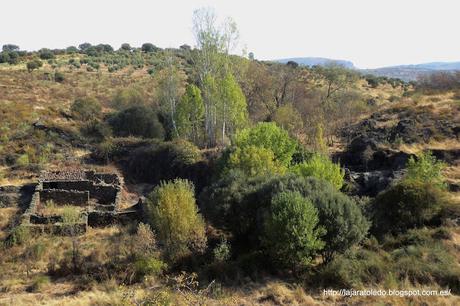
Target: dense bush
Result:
[[268, 136], [240, 205], [127, 98], [45, 54], [169, 160], [321, 167], [137, 121], [426, 169], [172, 211], [405, 205], [86, 109], [254, 161], [291, 233], [34, 64]]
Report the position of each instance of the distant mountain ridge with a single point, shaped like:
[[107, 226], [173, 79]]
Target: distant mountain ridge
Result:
[[403, 72], [313, 61]]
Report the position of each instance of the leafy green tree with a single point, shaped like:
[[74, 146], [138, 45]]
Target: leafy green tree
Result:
[[426, 169], [190, 114], [84, 46], [292, 235], [148, 48], [406, 205], [10, 47], [171, 85], [45, 54], [232, 109], [321, 167], [34, 64], [71, 50], [137, 121], [288, 118], [86, 109], [240, 204], [268, 136], [172, 211], [255, 161], [125, 47]]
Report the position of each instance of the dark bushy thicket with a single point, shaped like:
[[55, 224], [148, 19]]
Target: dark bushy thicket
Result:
[[137, 121], [241, 205], [169, 160], [406, 205]]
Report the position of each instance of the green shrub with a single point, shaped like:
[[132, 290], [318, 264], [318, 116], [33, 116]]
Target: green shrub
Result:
[[426, 169], [40, 283], [19, 235], [149, 266], [127, 98], [241, 204], [268, 136], [86, 109], [321, 167], [172, 211], [406, 205], [254, 161], [23, 160], [222, 251], [137, 121], [356, 269], [97, 130], [34, 64], [59, 77], [45, 54], [70, 214], [169, 160], [291, 233]]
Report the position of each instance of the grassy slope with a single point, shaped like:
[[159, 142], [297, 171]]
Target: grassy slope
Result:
[[28, 97]]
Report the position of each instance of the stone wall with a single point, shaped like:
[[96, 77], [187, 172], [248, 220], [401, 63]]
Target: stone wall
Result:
[[64, 197], [68, 185], [105, 194]]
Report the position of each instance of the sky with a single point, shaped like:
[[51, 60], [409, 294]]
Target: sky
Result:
[[370, 33]]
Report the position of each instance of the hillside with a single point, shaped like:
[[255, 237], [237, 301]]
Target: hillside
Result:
[[186, 183]]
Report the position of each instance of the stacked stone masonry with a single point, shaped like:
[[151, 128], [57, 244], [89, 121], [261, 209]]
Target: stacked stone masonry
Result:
[[97, 195]]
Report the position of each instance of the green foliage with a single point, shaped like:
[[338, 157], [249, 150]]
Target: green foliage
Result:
[[136, 121], [426, 169], [288, 118], [23, 160], [190, 114], [70, 214], [321, 167], [268, 136], [172, 211], [127, 98], [167, 161], [232, 108], [254, 161], [148, 47], [406, 205], [222, 251], [97, 130], [45, 54], [40, 283], [34, 64], [59, 77], [18, 236], [240, 205], [86, 109], [291, 233], [147, 266]]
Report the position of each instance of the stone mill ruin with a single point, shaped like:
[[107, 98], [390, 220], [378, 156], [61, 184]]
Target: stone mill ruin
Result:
[[66, 202]]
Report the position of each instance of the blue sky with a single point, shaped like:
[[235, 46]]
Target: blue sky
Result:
[[369, 33]]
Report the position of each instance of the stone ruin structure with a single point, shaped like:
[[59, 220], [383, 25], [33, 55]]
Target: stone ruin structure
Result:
[[97, 196]]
